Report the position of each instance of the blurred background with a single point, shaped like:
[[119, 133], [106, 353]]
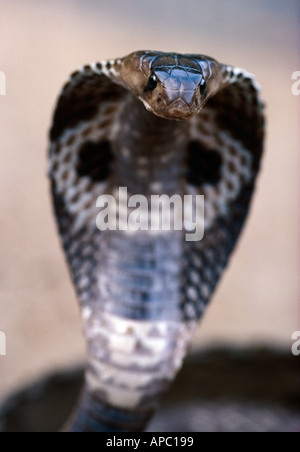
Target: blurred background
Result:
[[41, 43]]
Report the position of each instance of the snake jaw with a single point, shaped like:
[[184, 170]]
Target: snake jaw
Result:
[[176, 106], [146, 104]]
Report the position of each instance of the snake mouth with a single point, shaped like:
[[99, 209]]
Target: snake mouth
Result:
[[179, 109]]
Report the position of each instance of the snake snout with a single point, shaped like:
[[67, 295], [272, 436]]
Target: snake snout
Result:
[[179, 108]]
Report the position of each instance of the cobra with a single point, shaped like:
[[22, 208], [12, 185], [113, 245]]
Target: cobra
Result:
[[155, 123]]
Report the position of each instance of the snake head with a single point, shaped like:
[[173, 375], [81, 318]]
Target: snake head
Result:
[[171, 86]]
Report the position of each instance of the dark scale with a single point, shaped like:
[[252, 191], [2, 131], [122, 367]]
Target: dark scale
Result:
[[204, 165], [95, 160]]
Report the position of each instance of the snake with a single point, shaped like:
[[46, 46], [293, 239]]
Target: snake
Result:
[[156, 123]]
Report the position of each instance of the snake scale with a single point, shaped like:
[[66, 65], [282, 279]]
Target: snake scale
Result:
[[155, 123]]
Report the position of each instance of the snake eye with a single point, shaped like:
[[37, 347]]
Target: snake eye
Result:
[[203, 87], [152, 82]]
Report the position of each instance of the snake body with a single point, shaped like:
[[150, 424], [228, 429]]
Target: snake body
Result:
[[154, 123]]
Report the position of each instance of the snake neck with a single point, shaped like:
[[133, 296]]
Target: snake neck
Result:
[[136, 337], [150, 152]]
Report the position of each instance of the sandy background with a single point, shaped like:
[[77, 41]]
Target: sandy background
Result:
[[41, 42]]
